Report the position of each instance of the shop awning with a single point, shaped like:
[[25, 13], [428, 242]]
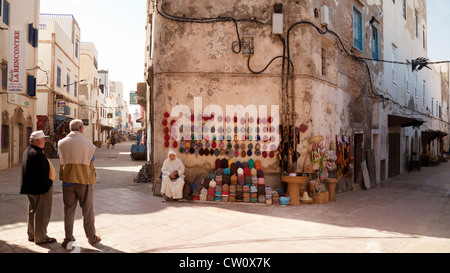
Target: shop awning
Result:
[[432, 134], [107, 128], [394, 120]]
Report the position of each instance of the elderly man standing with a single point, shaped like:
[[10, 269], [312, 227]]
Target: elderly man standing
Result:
[[37, 184], [78, 175]]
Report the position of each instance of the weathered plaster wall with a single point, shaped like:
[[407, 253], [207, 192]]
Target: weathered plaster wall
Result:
[[195, 60]]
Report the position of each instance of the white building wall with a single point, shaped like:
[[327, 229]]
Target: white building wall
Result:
[[18, 111]]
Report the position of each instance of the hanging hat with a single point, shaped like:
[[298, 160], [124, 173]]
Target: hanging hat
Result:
[[264, 153], [258, 165], [257, 152], [164, 122], [222, 152], [206, 152], [175, 144], [316, 138], [231, 153], [166, 114], [249, 153], [251, 164], [243, 153], [213, 145], [229, 146], [221, 145], [236, 153], [186, 150], [166, 144]]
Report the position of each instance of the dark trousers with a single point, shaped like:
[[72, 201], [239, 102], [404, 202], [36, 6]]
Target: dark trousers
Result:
[[83, 194], [39, 212]]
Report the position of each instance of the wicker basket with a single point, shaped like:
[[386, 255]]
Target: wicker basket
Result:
[[326, 197]]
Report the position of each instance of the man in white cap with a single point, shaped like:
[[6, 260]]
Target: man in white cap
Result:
[[37, 183]]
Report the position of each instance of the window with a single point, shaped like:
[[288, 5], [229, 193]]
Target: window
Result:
[[357, 29], [4, 67], [5, 138], [424, 44], [31, 85], [394, 65], [416, 19], [6, 12], [440, 111], [33, 35], [76, 48], [416, 84], [432, 107], [374, 43], [324, 62], [408, 81], [404, 9], [58, 76], [75, 89], [424, 93], [68, 83]]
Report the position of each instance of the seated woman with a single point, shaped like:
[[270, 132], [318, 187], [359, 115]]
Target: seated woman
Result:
[[172, 177]]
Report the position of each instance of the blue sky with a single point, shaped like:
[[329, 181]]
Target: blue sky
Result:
[[117, 28], [438, 16]]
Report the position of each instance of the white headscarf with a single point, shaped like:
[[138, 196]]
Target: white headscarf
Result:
[[169, 166]]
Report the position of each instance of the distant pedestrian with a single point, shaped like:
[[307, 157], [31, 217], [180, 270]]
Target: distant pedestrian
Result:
[[37, 183], [113, 141], [78, 175]]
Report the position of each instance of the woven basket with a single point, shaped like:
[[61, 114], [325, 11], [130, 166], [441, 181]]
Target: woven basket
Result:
[[316, 199], [326, 196]]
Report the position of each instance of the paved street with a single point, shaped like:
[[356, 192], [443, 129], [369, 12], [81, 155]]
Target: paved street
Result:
[[406, 214]]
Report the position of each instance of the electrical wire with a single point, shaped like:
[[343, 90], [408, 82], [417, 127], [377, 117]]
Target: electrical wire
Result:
[[184, 19], [286, 48]]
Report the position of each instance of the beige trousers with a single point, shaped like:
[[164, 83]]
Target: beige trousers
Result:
[[39, 212], [84, 194]]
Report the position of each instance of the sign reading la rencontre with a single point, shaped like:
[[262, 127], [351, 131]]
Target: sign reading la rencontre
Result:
[[16, 61]]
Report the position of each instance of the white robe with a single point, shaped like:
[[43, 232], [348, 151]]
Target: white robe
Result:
[[169, 188]]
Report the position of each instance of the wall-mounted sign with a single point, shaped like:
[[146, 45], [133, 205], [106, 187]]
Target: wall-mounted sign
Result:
[[60, 110], [133, 97], [16, 61], [19, 100]]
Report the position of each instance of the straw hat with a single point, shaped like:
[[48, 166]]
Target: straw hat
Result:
[[305, 197], [316, 138]]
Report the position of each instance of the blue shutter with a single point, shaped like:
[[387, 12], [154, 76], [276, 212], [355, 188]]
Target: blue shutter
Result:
[[31, 85], [35, 37], [30, 33], [6, 13]]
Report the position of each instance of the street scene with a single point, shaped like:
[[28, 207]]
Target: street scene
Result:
[[406, 214]]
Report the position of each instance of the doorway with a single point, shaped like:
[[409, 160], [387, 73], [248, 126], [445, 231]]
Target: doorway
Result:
[[359, 157], [394, 155]]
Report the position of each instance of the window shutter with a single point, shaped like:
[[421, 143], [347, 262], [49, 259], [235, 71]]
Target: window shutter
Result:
[[31, 86]]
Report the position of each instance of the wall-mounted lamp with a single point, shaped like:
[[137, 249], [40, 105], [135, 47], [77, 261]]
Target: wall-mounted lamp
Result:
[[376, 18], [65, 85]]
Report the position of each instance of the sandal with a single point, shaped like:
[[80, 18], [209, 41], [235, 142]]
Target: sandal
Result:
[[96, 240]]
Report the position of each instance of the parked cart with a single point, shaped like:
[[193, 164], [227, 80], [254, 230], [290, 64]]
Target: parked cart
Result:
[[138, 152]]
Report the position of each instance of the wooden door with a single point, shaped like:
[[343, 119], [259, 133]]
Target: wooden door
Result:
[[394, 155]]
